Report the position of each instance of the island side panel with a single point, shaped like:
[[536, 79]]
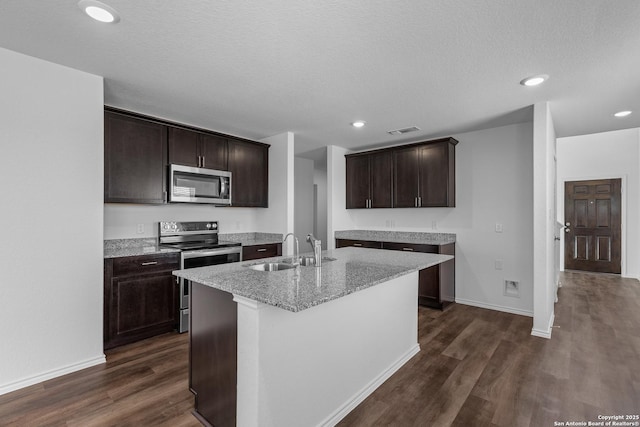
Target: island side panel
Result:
[[212, 355], [313, 367]]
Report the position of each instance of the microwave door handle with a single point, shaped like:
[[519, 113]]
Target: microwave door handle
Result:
[[221, 186]]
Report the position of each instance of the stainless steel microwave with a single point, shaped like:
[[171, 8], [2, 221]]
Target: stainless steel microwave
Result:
[[198, 185]]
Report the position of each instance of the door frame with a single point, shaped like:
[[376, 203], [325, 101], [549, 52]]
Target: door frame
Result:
[[623, 215]]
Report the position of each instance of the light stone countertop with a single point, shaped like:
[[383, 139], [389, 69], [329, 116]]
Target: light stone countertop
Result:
[[251, 238], [117, 248], [300, 288], [398, 236]]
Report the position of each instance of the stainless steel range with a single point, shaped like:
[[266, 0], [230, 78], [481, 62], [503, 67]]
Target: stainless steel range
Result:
[[200, 247]]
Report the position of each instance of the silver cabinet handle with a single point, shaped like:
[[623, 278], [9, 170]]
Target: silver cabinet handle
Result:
[[408, 249], [149, 263], [357, 244], [262, 250], [419, 201], [203, 161]]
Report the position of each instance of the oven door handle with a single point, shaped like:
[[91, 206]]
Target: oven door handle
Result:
[[200, 254]]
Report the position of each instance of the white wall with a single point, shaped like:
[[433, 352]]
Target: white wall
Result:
[[303, 201], [338, 217], [606, 155], [121, 220], [544, 219], [51, 133], [278, 218], [320, 181], [493, 185]]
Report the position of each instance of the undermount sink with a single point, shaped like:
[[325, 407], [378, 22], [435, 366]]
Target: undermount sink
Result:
[[308, 260], [271, 266]]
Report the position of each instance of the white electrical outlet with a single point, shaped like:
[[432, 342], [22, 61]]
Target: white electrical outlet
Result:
[[512, 288], [140, 229], [498, 227], [498, 264], [434, 225], [387, 223]]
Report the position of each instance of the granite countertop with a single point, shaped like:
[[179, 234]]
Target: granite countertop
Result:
[[398, 236], [117, 248], [251, 239], [300, 288]]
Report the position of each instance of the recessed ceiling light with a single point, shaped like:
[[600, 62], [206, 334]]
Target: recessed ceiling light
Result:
[[622, 113], [99, 11], [358, 124], [534, 80]]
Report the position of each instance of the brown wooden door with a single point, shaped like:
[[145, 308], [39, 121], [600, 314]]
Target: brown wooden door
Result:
[[249, 166], [593, 225], [358, 182], [436, 175], [213, 150], [183, 147], [381, 172], [135, 156], [406, 177]]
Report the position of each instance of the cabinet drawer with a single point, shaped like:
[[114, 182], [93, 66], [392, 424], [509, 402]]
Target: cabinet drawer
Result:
[[342, 243], [261, 251], [410, 247], [144, 264]]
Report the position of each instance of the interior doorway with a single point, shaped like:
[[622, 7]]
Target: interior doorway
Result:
[[593, 224]]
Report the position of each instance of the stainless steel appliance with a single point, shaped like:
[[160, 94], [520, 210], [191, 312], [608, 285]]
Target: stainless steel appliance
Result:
[[200, 247], [198, 185]]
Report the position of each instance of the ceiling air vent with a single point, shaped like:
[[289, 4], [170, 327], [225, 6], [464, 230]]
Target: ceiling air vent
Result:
[[404, 130]]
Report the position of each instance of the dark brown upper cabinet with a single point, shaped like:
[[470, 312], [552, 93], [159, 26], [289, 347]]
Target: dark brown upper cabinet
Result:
[[369, 180], [249, 167], [424, 174], [135, 155], [191, 148]]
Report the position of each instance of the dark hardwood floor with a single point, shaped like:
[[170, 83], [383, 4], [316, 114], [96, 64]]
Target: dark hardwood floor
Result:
[[477, 368]]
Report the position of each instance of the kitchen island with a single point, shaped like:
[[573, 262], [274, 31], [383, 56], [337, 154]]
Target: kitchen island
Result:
[[300, 346]]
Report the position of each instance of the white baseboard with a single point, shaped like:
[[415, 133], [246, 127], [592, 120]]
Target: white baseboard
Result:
[[496, 307], [26, 382], [360, 396], [544, 333]]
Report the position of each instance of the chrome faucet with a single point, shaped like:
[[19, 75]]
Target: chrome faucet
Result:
[[296, 253], [316, 245]]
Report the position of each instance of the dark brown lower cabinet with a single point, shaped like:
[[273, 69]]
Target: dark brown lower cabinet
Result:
[[140, 297], [261, 251], [213, 355], [437, 284]]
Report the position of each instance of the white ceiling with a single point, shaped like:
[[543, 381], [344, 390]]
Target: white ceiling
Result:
[[256, 68]]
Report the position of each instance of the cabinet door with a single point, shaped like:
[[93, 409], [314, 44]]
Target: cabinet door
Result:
[[183, 147], [434, 175], [213, 150], [343, 243], [358, 182], [142, 306], [249, 166], [381, 169], [135, 157], [261, 251], [429, 286], [405, 179]]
